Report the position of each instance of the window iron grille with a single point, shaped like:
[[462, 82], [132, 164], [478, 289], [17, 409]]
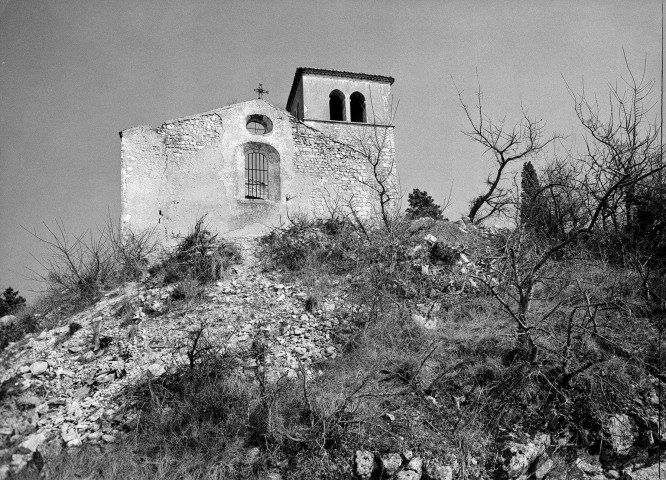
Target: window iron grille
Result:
[[256, 176]]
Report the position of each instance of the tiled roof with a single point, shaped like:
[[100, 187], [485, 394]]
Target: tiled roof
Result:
[[332, 73]]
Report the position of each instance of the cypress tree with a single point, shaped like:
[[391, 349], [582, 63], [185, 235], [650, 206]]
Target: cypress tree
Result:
[[531, 204], [422, 205]]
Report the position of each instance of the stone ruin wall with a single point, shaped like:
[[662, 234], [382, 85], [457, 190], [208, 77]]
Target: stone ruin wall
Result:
[[191, 134], [187, 167]]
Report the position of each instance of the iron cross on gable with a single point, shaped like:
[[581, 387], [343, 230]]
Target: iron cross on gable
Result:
[[261, 91]]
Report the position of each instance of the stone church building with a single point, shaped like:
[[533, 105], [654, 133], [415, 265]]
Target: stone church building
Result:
[[247, 166]]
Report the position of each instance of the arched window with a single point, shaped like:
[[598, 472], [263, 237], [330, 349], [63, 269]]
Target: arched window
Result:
[[336, 104], [256, 175], [357, 107]]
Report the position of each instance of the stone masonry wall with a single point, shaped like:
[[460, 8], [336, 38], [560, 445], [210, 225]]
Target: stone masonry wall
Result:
[[191, 134], [193, 166], [338, 170]]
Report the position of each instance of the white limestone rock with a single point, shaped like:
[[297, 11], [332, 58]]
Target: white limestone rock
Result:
[[156, 369], [39, 367], [7, 320], [425, 322], [544, 465], [365, 463], [518, 457], [430, 238], [408, 475], [648, 473], [390, 463], [622, 431], [415, 464], [436, 471], [32, 443]]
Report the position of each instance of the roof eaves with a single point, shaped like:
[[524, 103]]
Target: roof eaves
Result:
[[332, 73]]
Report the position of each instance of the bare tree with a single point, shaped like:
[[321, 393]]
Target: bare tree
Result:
[[621, 147], [621, 153], [374, 143], [564, 197], [507, 144]]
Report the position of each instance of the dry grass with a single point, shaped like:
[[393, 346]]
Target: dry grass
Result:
[[199, 256], [453, 392]]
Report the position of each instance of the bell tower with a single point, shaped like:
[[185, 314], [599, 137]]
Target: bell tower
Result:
[[324, 98]]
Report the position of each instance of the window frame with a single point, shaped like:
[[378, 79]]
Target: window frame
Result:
[[257, 185], [262, 120]]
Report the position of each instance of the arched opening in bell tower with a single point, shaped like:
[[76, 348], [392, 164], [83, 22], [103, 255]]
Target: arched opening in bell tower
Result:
[[357, 107], [336, 105]]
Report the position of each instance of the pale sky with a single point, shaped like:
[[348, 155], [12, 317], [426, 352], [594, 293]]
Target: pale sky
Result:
[[75, 73]]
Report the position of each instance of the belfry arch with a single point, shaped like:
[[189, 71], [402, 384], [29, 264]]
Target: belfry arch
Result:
[[336, 106], [357, 108]]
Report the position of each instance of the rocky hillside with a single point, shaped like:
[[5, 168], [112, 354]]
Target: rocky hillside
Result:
[[338, 355], [64, 387]]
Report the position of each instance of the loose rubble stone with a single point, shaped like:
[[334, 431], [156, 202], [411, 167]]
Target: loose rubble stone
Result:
[[648, 473], [622, 431], [83, 402], [252, 455], [68, 434], [544, 465], [587, 467], [415, 464], [27, 400], [408, 475], [654, 398], [436, 471], [328, 307], [7, 320], [156, 369], [37, 368], [423, 322], [19, 462], [365, 463], [518, 457], [32, 443], [391, 463], [412, 471]]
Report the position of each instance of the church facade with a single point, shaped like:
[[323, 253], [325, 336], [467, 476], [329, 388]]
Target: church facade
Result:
[[249, 165]]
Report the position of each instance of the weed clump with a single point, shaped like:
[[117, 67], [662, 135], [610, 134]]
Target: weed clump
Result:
[[25, 322], [306, 240], [199, 256], [79, 268], [190, 423], [74, 327]]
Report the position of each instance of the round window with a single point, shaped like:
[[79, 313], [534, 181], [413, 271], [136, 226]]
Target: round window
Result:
[[259, 124], [256, 127]]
